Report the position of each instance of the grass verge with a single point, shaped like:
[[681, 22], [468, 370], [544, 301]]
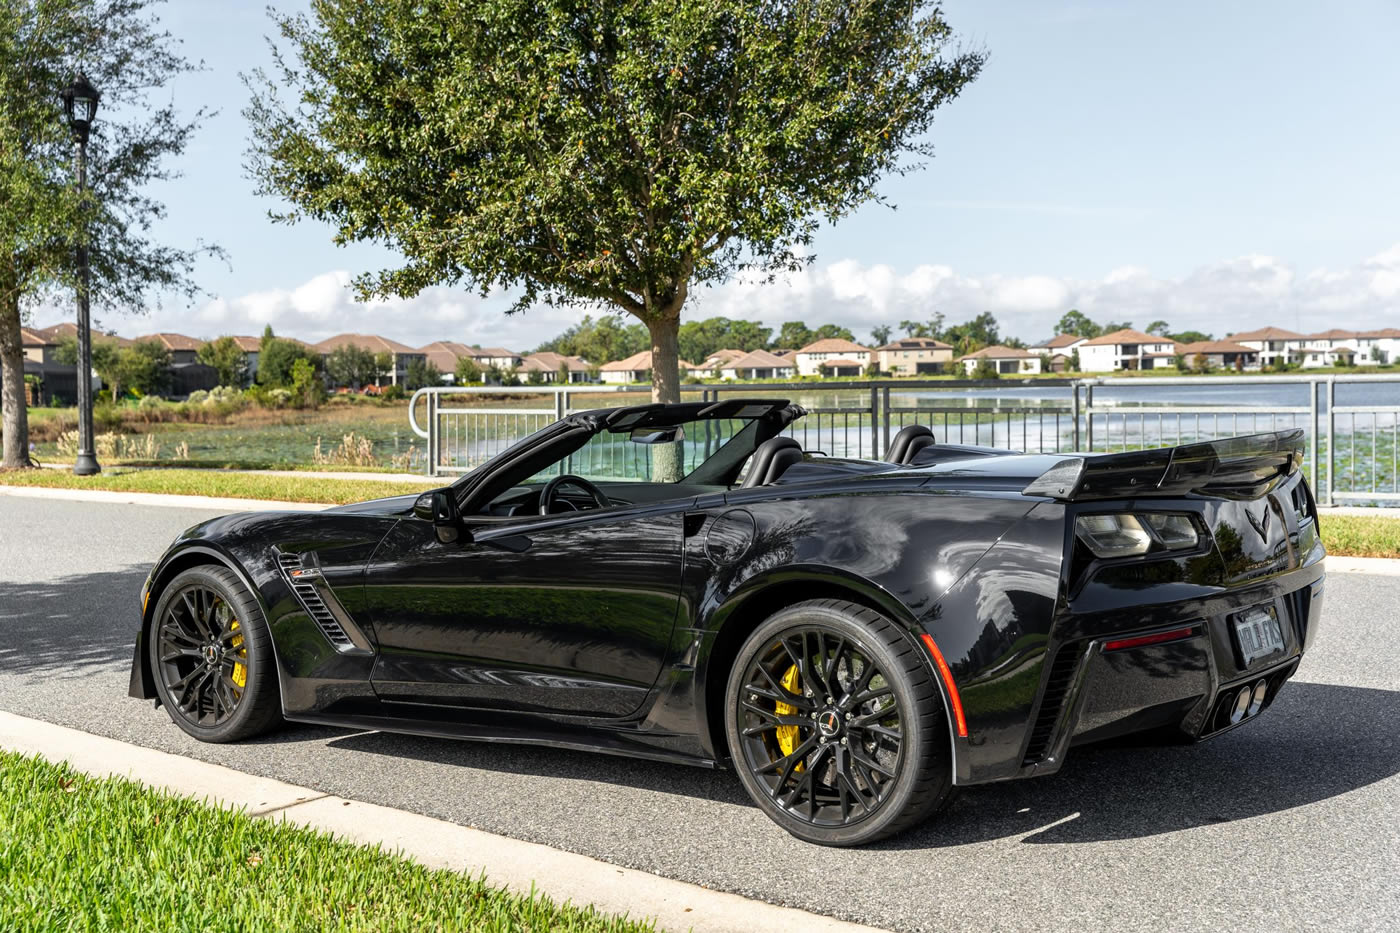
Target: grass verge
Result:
[[216, 483], [1361, 535], [79, 853]]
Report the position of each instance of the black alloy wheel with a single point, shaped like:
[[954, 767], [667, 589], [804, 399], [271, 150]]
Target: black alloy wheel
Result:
[[836, 726], [212, 658]]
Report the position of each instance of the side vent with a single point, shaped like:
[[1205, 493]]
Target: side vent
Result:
[[303, 582], [1056, 689]]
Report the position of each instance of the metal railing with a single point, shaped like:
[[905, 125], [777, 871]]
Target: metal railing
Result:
[[1353, 451]]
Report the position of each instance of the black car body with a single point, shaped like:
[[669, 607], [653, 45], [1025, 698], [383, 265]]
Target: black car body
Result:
[[467, 613]]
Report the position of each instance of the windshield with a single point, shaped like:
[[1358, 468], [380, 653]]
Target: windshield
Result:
[[616, 456]]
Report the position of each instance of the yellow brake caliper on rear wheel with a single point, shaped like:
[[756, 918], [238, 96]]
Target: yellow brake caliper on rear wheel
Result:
[[788, 736], [240, 669]]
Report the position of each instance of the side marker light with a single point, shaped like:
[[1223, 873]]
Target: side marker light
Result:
[[946, 673]]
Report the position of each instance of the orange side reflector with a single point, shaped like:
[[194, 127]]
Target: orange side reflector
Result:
[[947, 674]]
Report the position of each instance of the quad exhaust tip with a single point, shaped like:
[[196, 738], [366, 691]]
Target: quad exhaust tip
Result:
[[1247, 701]]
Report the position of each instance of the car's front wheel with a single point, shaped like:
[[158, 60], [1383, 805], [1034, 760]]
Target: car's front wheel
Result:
[[211, 653], [836, 726]]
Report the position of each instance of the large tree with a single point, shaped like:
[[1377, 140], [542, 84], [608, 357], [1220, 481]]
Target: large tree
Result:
[[123, 52], [602, 153]]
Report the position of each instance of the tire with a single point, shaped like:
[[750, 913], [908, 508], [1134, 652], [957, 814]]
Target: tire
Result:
[[206, 609], [833, 779]]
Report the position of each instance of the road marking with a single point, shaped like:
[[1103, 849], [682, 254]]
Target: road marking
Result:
[[519, 866]]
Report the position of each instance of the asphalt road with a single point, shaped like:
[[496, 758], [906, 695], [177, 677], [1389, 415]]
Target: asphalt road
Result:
[[1291, 823]]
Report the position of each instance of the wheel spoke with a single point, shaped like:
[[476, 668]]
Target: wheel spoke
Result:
[[776, 719], [872, 718], [172, 632], [794, 757], [869, 764], [176, 652], [780, 694], [870, 696]]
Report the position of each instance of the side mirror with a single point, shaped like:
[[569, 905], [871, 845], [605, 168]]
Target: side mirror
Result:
[[439, 506]]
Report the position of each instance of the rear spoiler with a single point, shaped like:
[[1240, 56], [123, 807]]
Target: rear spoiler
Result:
[[1235, 467]]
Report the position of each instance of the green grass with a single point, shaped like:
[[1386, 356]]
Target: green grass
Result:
[[1360, 535], [78, 853], [217, 483]]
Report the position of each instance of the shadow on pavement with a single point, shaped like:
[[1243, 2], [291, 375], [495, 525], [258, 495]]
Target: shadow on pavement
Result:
[[69, 625], [1317, 741]]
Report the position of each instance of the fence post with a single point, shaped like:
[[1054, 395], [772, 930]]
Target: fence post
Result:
[[874, 416], [1315, 427], [1089, 414], [433, 439], [885, 407], [1074, 411], [561, 404], [1331, 438]]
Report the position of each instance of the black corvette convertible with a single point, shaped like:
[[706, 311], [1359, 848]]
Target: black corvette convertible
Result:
[[854, 637]]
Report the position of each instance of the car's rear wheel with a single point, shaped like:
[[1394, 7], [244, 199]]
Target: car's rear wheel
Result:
[[835, 725], [212, 657]]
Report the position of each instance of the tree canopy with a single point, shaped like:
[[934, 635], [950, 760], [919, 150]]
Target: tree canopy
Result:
[[228, 358], [131, 61], [608, 154]]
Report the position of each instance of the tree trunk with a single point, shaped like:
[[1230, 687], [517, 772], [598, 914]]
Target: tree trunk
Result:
[[665, 359], [12, 400]]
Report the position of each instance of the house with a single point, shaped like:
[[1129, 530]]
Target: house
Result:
[[183, 350], [499, 357], [556, 367], [1273, 344], [37, 346], [839, 356], [636, 368], [1063, 344], [54, 383], [67, 329], [1335, 347], [251, 347], [1126, 349], [1008, 361], [713, 365], [400, 355], [758, 364], [1381, 347], [912, 356], [445, 354], [1222, 354]]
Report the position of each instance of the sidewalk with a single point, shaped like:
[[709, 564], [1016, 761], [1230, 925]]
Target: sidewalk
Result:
[[519, 866]]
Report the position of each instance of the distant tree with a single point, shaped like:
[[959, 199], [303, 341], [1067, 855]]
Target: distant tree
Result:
[[143, 366], [600, 341], [879, 336], [833, 332], [872, 370], [1179, 361], [1159, 329], [383, 366], [306, 388], [227, 358], [793, 335], [420, 374], [276, 357], [467, 371], [699, 339], [121, 49], [631, 149], [1075, 322], [1074, 360], [1190, 336], [1111, 326], [981, 331], [985, 369], [914, 328], [1046, 365], [351, 366], [534, 377], [1202, 364]]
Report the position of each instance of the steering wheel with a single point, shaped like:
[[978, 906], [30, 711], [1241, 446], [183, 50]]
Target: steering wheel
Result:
[[551, 489]]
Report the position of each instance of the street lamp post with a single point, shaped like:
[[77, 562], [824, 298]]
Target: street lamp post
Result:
[[80, 107]]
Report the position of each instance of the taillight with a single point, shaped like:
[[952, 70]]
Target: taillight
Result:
[[1129, 534]]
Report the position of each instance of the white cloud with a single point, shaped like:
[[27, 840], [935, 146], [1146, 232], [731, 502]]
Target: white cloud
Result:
[[1230, 295]]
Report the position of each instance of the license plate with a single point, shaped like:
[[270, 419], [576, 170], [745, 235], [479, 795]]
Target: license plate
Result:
[[1258, 633]]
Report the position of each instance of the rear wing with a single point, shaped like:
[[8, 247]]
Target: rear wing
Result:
[[1235, 467]]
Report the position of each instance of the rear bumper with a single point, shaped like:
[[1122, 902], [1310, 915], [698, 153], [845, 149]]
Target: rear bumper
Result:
[[1094, 692]]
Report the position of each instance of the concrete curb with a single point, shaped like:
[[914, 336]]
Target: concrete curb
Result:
[[517, 865], [218, 503], [1376, 566]]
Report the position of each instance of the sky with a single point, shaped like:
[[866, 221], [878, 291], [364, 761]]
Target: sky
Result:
[[1220, 165]]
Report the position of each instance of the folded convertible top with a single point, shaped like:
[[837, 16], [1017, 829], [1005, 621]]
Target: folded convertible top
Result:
[[1245, 467]]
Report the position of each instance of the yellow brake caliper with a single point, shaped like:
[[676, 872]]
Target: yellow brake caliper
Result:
[[788, 735], [240, 670]]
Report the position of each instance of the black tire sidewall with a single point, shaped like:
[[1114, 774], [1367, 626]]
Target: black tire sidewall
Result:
[[916, 745], [261, 677]]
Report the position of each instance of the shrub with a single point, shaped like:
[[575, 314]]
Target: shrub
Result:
[[198, 397], [394, 393]]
